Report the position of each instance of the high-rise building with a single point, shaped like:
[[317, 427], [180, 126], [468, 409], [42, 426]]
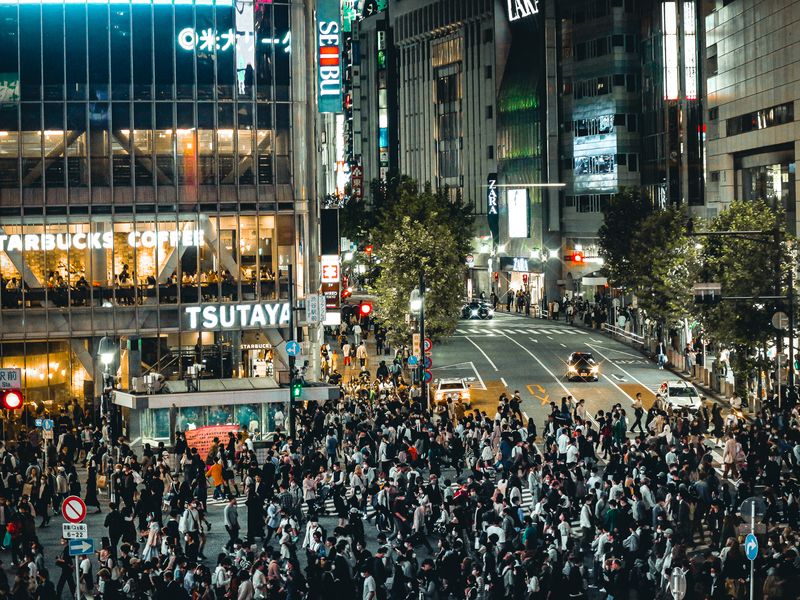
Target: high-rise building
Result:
[[453, 94], [156, 183], [752, 68]]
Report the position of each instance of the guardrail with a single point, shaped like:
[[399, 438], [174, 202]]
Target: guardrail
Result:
[[619, 332]]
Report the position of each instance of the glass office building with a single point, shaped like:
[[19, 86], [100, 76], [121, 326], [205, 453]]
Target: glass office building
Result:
[[146, 174]]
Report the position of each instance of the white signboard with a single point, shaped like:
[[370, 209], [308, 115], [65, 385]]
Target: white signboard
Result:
[[74, 531], [519, 9], [10, 379], [518, 213]]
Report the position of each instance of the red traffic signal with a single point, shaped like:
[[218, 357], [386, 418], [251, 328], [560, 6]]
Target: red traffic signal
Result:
[[368, 250], [525, 278], [578, 257], [365, 309], [11, 399], [496, 276]]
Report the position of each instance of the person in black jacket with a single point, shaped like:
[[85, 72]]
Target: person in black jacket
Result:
[[66, 563], [115, 524]]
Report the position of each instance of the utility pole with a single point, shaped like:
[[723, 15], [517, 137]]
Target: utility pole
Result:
[[292, 369]]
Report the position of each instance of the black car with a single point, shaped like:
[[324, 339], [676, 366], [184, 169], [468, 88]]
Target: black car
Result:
[[581, 365], [475, 309]]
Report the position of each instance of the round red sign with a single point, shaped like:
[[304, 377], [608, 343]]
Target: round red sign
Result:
[[73, 509]]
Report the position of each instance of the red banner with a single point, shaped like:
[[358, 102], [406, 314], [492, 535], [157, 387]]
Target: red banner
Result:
[[202, 438]]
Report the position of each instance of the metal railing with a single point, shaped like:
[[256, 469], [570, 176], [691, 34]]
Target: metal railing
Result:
[[620, 332]]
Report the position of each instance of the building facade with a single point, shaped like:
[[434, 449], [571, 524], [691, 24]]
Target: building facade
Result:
[[156, 184], [468, 101], [753, 81]]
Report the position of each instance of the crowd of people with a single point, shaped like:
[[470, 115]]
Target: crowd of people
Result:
[[378, 497]]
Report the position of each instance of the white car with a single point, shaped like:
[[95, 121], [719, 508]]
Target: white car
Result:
[[681, 394], [453, 388]]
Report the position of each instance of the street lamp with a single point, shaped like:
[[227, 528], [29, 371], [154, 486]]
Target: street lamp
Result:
[[417, 305], [106, 350]]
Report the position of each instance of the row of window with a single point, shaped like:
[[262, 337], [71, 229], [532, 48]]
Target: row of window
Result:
[[600, 8], [588, 203], [605, 45], [600, 86], [603, 164], [761, 119], [603, 124]]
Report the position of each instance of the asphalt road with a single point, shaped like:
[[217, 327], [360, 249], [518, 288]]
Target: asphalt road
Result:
[[513, 352]]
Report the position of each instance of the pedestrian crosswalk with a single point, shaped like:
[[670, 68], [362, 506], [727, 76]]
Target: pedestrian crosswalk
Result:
[[488, 331]]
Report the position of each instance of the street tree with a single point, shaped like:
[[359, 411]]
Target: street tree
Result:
[[412, 247], [752, 270], [622, 219]]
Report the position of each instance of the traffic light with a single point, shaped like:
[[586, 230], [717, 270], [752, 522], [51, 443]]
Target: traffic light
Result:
[[296, 389], [525, 278], [578, 257], [368, 249], [11, 399], [496, 276], [365, 309]]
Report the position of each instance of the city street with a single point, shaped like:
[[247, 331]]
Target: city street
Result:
[[513, 352]]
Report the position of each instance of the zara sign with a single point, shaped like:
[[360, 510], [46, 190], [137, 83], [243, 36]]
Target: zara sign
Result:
[[236, 316], [518, 9]]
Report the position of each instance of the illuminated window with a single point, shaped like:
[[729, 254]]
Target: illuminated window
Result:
[[689, 51], [670, 21]]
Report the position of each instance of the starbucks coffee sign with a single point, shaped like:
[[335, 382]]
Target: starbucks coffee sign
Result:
[[213, 317]]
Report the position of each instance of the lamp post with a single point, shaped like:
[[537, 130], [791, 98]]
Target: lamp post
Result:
[[417, 306], [106, 351]]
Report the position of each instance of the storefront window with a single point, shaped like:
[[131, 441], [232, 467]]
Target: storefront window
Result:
[[191, 417], [248, 416], [159, 423], [220, 415]]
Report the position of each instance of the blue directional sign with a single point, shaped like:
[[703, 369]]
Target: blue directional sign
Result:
[[292, 348], [427, 362], [751, 546], [38, 422], [47, 424], [412, 361], [81, 547], [427, 376]]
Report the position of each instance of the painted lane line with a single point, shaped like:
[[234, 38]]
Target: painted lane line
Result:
[[503, 381], [549, 372], [563, 345], [620, 352], [478, 375], [612, 382], [617, 366], [534, 340], [494, 366]]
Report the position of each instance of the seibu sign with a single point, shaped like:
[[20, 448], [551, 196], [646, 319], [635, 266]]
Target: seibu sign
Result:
[[329, 58], [99, 240], [234, 316]]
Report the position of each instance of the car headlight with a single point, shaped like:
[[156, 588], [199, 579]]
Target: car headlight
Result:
[[595, 369], [474, 313], [491, 311], [572, 369]]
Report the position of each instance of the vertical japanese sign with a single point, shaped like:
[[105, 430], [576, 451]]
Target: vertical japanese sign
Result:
[[492, 208], [329, 57]]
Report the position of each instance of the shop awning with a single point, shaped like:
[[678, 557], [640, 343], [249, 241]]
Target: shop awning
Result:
[[589, 281]]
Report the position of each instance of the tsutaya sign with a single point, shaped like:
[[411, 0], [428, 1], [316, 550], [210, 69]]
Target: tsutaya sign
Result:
[[517, 9], [233, 316], [100, 240]]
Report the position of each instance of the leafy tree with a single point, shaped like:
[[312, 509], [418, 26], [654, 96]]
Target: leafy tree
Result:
[[664, 265], [751, 267], [622, 221], [409, 247]]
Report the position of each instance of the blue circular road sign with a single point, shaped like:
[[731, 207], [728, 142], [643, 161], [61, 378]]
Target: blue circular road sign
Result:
[[412, 361], [751, 546], [292, 348]]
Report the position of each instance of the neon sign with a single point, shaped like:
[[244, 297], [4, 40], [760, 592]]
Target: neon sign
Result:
[[329, 78], [208, 40], [237, 315], [100, 240], [519, 9]]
